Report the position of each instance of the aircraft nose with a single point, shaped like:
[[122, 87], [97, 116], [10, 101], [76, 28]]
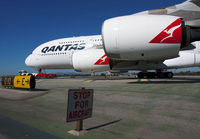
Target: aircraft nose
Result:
[[28, 61]]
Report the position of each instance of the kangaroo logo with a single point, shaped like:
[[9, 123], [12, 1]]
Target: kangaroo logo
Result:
[[104, 60], [171, 34]]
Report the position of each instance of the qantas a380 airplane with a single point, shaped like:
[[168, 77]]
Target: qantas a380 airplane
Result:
[[151, 40]]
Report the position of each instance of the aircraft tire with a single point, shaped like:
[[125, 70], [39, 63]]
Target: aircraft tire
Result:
[[140, 75], [151, 75], [169, 75]]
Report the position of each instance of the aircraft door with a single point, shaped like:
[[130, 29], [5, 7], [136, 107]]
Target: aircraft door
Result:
[[69, 57]]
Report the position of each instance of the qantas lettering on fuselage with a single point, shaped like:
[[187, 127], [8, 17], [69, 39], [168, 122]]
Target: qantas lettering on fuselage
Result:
[[67, 47]]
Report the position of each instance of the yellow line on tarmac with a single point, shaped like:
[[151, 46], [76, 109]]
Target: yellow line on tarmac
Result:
[[39, 81], [89, 81], [143, 80]]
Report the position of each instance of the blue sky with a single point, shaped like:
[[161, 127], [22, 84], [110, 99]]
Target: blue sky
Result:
[[25, 24]]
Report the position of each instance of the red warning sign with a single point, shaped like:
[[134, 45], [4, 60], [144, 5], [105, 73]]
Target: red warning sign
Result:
[[80, 102]]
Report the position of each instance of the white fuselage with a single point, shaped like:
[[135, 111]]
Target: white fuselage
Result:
[[57, 54]]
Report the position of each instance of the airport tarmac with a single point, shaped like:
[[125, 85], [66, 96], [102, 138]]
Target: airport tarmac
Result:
[[124, 107]]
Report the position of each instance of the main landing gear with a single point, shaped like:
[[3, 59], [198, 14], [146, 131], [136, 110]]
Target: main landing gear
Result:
[[151, 75], [39, 71]]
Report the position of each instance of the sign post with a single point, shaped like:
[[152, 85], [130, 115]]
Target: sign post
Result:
[[80, 103], [79, 125]]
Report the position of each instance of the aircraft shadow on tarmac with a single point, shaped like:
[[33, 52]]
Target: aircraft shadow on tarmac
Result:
[[103, 125], [111, 78], [32, 90], [176, 80], [38, 90]]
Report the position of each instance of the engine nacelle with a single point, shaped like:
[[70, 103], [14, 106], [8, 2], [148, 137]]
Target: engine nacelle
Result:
[[143, 37], [90, 60]]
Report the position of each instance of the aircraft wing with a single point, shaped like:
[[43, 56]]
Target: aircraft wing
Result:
[[188, 10]]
